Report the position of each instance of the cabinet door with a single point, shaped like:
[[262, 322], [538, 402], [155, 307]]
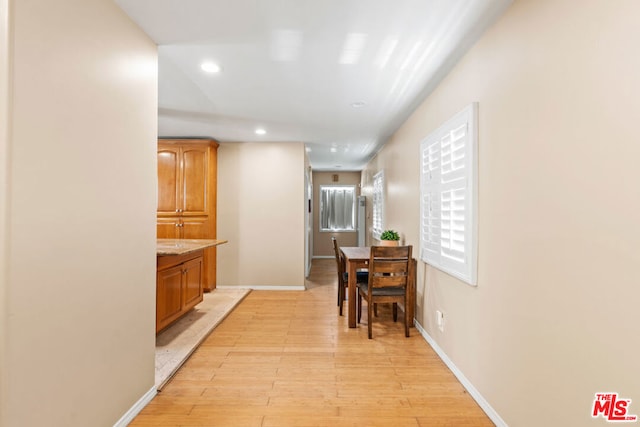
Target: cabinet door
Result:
[[195, 180], [169, 300], [168, 180], [169, 228], [194, 228], [192, 283]]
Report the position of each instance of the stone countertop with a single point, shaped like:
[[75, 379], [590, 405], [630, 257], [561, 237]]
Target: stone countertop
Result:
[[184, 246]]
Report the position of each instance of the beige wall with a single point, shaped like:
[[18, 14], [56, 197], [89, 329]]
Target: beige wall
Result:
[[78, 317], [554, 318], [4, 196], [261, 202], [322, 244]]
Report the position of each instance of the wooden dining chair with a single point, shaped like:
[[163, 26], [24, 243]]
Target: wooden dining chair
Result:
[[389, 280], [343, 275]]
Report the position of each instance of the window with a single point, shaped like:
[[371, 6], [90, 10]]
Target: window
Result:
[[378, 204], [337, 208], [448, 205]]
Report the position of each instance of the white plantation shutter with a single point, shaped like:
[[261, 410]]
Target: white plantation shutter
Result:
[[430, 206], [448, 227], [378, 204]]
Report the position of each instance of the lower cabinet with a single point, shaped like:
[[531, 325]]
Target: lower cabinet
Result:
[[178, 286], [191, 227]]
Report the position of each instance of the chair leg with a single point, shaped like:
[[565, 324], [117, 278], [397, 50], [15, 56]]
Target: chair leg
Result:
[[406, 324], [370, 318], [395, 311], [406, 319], [340, 301], [359, 308]]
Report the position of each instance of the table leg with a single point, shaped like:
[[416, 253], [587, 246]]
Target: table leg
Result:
[[351, 300]]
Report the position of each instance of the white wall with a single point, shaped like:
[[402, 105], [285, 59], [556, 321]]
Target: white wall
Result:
[[78, 316], [554, 318], [261, 203]]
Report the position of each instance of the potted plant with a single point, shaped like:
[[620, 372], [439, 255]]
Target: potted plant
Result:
[[389, 238]]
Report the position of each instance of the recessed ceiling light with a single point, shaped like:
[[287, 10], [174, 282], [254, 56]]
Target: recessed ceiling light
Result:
[[334, 150], [210, 67], [358, 104], [260, 131]]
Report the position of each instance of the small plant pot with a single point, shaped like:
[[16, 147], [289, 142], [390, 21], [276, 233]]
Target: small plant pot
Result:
[[389, 243]]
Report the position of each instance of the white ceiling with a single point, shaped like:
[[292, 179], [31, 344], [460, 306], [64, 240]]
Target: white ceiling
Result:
[[296, 67]]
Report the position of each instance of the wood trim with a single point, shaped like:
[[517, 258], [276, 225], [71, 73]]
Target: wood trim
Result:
[[169, 140], [168, 261]]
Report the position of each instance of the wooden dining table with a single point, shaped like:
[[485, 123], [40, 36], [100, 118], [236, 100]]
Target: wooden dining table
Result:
[[357, 258]]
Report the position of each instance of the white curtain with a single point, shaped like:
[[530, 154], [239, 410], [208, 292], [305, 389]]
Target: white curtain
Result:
[[336, 208]]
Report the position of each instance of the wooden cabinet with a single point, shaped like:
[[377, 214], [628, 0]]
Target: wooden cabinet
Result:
[[168, 296], [187, 182], [183, 227], [178, 286], [184, 178], [192, 283]]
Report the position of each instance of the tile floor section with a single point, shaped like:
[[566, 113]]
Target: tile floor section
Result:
[[175, 344]]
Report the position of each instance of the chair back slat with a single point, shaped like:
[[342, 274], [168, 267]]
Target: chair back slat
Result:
[[389, 281], [390, 251], [389, 266]]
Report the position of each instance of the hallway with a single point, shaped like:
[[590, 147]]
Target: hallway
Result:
[[285, 358]]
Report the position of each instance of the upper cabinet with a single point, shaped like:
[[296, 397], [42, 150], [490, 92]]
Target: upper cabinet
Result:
[[184, 178]]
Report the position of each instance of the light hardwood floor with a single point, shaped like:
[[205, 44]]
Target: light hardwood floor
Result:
[[288, 359]]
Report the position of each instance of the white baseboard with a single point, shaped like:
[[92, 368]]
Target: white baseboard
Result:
[[491, 413], [136, 408], [324, 257], [264, 287]]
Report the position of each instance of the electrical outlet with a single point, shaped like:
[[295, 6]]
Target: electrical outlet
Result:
[[440, 320]]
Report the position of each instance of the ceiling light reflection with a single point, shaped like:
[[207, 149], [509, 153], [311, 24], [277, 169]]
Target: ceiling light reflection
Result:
[[411, 55], [353, 46], [286, 45], [385, 51]]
